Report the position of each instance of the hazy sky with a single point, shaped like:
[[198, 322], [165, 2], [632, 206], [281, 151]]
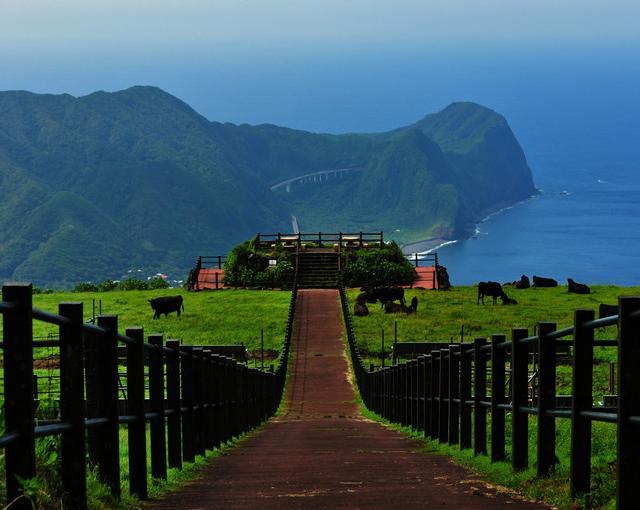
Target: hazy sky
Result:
[[160, 24]]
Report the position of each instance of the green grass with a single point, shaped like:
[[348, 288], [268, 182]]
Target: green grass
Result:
[[209, 318]]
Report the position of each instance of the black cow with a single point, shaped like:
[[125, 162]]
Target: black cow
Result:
[[391, 307], [493, 289], [605, 310], [166, 305], [360, 309], [523, 283], [539, 281], [578, 288], [384, 294]]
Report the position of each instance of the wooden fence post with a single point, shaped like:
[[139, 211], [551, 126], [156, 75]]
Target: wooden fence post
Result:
[[497, 397], [102, 397], [157, 430], [454, 394], [443, 411], [582, 389], [174, 401], [20, 460], [435, 394], [519, 398], [479, 396], [72, 443], [628, 403], [421, 391], [136, 430], [188, 429], [546, 398], [465, 395]]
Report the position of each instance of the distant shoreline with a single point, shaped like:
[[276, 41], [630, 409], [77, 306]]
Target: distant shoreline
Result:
[[432, 244]]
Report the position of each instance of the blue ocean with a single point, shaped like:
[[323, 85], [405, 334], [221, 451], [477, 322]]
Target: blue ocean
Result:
[[575, 111]]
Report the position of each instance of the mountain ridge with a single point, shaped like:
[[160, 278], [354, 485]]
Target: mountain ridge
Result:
[[138, 179]]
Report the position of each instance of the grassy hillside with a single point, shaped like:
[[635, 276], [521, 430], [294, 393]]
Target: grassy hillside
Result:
[[93, 186], [209, 318]]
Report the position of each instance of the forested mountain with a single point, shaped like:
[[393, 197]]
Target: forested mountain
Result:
[[91, 187]]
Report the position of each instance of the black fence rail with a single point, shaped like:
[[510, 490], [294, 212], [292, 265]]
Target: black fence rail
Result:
[[339, 239], [192, 399], [447, 395], [424, 259]]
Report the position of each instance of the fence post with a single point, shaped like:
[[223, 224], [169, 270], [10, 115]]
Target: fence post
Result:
[[454, 394], [546, 398], [157, 431], [102, 397], [136, 430], [435, 393], [188, 431], [628, 403], [198, 401], [465, 396], [428, 394], [443, 432], [479, 396], [421, 392], [519, 398], [174, 402], [72, 443], [582, 389], [497, 397], [20, 460]]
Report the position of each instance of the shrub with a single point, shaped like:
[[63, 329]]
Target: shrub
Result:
[[383, 266], [157, 283], [246, 266], [85, 287], [107, 285], [132, 284]]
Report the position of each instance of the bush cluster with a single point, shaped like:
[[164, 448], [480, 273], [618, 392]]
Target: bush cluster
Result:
[[127, 284], [246, 266], [383, 266]]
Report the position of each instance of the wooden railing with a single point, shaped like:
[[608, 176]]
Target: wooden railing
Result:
[[196, 400], [340, 239], [446, 395]]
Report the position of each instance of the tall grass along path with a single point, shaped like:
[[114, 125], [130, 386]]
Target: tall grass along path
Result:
[[321, 453]]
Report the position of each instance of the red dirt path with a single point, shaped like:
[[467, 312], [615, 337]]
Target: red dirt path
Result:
[[321, 453]]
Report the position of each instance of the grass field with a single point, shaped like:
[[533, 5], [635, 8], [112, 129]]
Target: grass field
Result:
[[209, 318], [441, 316]]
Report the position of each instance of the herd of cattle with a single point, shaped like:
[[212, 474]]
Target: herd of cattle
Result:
[[495, 290], [387, 295]]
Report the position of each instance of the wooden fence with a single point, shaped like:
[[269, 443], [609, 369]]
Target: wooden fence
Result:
[[447, 396], [196, 400]]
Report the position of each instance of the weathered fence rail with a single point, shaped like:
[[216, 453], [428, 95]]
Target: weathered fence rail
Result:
[[192, 399], [447, 395]]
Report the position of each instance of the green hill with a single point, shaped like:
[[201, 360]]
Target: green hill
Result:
[[91, 187]]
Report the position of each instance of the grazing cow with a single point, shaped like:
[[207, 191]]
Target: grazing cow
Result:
[[166, 305], [363, 297], [384, 294], [605, 310], [578, 288], [360, 309], [506, 300], [391, 307], [493, 289], [443, 278], [539, 281], [523, 283]]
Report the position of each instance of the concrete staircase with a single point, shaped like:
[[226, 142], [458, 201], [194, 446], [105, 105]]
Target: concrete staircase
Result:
[[318, 270]]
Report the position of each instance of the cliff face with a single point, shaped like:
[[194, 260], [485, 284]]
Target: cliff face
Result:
[[94, 186]]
